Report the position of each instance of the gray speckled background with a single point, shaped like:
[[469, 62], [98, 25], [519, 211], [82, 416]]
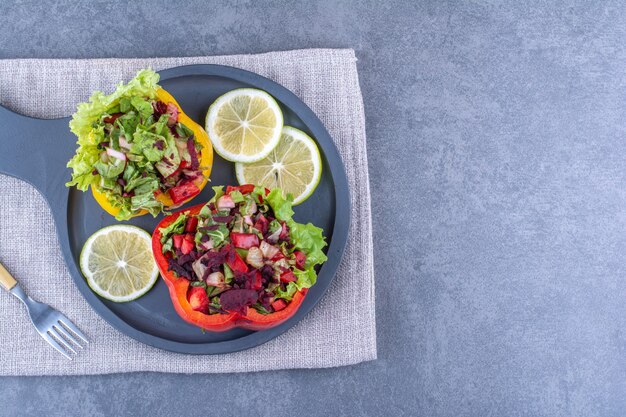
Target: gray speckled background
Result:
[[496, 142]]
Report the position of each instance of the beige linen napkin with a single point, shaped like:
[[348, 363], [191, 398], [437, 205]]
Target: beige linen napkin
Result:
[[339, 331]]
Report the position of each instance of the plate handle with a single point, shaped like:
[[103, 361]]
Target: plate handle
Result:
[[36, 151]]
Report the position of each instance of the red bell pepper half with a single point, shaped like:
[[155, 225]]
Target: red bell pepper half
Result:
[[189, 303]]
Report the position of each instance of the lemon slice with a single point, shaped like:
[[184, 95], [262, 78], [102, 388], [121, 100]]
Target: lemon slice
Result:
[[244, 124], [118, 264], [294, 166]]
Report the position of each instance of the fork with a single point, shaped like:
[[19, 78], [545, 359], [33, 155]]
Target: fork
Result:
[[53, 326]]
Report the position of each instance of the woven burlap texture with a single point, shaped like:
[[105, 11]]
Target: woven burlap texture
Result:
[[339, 331]]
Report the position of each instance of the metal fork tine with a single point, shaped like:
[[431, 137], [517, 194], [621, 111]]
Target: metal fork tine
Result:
[[65, 322], [56, 345], [68, 336], [64, 337]]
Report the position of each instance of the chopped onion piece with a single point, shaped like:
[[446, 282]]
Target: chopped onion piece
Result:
[[268, 250], [116, 154], [225, 202], [255, 257], [123, 143], [273, 238], [215, 279]]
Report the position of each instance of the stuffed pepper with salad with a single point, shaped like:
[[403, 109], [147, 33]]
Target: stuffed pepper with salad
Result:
[[239, 260], [138, 151]]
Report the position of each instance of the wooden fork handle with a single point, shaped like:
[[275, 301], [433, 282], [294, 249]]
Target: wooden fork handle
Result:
[[6, 279]]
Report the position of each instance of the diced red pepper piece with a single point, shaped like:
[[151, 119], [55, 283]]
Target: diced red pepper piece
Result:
[[183, 165], [244, 240], [287, 276], [198, 299], [261, 224], [237, 264], [187, 245], [191, 225], [178, 240], [300, 259], [278, 257], [243, 189], [183, 192], [279, 304], [267, 191]]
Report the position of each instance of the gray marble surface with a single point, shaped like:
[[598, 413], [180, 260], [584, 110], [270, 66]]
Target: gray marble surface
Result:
[[496, 143]]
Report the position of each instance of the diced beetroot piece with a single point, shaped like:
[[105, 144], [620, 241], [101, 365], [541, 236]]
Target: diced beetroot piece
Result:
[[112, 118], [287, 276], [244, 240], [300, 259], [198, 299], [279, 304], [261, 224], [178, 240], [187, 245], [225, 202], [223, 219], [284, 233], [191, 225], [172, 111], [183, 192], [238, 299], [257, 282], [159, 109], [193, 154], [237, 264]]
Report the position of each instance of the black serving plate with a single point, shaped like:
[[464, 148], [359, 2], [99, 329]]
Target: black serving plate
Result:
[[37, 150]]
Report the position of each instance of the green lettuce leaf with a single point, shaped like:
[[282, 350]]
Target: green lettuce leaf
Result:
[[307, 238], [287, 295], [87, 167], [280, 205], [236, 196], [306, 278], [144, 85], [310, 240], [175, 228]]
